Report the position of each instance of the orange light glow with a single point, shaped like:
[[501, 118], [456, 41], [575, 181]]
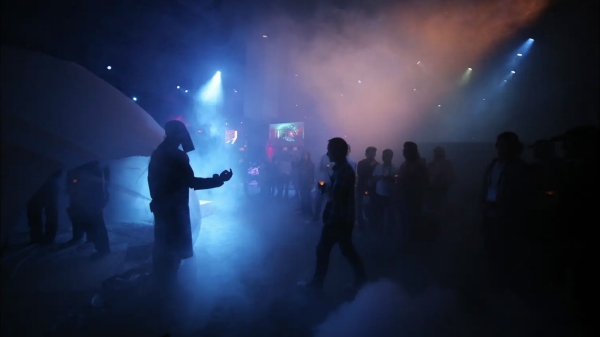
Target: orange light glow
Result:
[[321, 183], [550, 192]]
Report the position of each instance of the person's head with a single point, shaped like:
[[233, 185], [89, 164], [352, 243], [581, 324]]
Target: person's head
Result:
[[508, 145], [581, 143], [439, 153], [387, 155], [543, 149], [177, 134], [410, 151], [337, 149], [371, 152], [306, 156]]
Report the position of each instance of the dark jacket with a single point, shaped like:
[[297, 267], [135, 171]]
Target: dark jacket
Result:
[[340, 208], [170, 177], [87, 186], [514, 186]]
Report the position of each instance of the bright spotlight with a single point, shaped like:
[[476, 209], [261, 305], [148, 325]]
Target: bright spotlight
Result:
[[359, 81], [519, 55], [178, 87], [135, 99], [470, 69], [264, 36], [186, 90], [109, 67], [512, 72], [439, 105], [212, 92], [531, 40]]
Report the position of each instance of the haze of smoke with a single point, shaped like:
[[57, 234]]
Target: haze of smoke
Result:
[[383, 309], [394, 50]]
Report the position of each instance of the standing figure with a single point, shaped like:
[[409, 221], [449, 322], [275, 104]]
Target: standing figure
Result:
[[364, 172], [441, 178], [384, 177], [44, 202], [170, 177], [284, 167], [505, 198], [338, 218], [412, 184], [87, 187]]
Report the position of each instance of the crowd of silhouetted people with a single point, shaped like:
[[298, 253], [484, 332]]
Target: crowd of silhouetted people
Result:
[[535, 217]]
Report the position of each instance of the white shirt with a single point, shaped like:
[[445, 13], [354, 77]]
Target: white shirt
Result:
[[385, 187], [492, 192]]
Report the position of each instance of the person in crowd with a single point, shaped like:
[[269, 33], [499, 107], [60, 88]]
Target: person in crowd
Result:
[[384, 176], [441, 179], [306, 182], [364, 172], [87, 188], [44, 203], [284, 167], [505, 198], [268, 175], [338, 218], [324, 174], [170, 176], [544, 232], [412, 185], [577, 207]]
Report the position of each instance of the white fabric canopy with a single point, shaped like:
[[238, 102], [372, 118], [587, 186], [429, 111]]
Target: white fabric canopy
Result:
[[57, 114]]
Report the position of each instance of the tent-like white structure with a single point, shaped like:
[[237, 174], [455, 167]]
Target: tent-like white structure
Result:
[[57, 114]]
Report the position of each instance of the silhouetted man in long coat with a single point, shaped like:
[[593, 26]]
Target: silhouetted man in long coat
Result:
[[170, 177]]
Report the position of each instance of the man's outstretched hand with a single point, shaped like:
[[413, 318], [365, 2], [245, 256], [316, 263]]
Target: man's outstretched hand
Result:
[[226, 175]]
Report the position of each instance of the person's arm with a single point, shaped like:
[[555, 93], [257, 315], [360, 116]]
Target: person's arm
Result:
[[195, 182]]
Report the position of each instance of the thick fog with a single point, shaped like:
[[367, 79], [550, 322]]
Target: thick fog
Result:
[[378, 74]]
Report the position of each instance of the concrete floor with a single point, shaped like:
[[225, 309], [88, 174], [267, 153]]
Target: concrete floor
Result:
[[242, 282]]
